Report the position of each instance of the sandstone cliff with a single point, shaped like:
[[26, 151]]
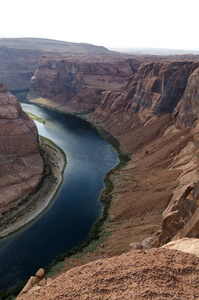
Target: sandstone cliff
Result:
[[112, 86], [187, 111], [155, 89], [79, 82], [20, 160]]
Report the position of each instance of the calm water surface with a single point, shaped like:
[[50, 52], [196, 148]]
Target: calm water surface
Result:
[[69, 218]]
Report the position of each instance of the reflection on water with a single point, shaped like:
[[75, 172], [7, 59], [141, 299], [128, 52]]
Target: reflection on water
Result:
[[69, 218]]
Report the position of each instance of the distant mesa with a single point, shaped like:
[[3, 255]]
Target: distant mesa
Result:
[[19, 57]]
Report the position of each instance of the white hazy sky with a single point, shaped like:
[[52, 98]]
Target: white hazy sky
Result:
[[110, 23]]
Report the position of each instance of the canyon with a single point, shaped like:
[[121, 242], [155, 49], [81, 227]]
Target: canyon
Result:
[[150, 110], [150, 105]]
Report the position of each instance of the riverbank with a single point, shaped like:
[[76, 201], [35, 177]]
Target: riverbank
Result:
[[31, 207]]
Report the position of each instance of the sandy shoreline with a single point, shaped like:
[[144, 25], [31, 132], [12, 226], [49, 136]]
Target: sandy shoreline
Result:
[[35, 204]]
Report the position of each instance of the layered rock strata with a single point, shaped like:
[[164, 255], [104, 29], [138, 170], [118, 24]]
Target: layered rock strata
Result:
[[115, 89], [80, 82], [187, 111], [157, 88], [20, 160]]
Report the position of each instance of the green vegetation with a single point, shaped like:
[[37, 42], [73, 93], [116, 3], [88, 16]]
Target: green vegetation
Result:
[[34, 117], [95, 243], [123, 156], [55, 269]]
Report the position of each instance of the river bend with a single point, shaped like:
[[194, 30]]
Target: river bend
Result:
[[70, 216]]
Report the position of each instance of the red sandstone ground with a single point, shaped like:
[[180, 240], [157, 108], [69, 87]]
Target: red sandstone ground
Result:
[[152, 274]]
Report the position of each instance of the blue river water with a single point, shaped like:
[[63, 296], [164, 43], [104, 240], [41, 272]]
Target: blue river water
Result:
[[72, 213]]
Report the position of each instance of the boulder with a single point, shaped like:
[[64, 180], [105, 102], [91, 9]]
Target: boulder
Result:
[[40, 273], [187, 245]]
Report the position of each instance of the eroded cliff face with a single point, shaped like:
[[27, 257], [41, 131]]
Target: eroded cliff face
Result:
[[112, 85], [155, 89], [80, 82], [187, 111], [118, 94], [20, 160]]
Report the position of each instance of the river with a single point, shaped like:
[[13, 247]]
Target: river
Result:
[[70, 216]]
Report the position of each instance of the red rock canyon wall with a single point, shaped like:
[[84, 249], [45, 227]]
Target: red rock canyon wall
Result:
[[21, 163]]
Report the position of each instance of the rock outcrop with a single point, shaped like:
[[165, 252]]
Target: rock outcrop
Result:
[[35, 283], [20, 160], [159, 89], [187, 245], [182, 219]]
